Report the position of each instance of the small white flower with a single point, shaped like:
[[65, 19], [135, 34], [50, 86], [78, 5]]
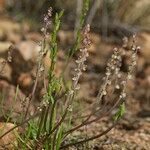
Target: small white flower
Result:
[[117, 87]]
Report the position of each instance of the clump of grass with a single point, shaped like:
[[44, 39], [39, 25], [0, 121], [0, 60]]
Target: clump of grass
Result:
[[50, 126]]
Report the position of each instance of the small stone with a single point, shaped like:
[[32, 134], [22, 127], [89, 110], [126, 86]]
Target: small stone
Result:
[[10, 139]]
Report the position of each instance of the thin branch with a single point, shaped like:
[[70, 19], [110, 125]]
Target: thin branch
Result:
[[86, 122], [91, 138]]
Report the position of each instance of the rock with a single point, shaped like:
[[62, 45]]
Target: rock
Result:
[[12, 103], [140, 64], [10, 30], [9, 140], [33, 36], [18, 65], [2, 35], [8, 26], [147, 71], [29, 50], [144, 40], [4, 46], [25, 80], [5, 70], [14, 37]]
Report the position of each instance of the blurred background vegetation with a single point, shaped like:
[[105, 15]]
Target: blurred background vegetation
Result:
[[110, 18]]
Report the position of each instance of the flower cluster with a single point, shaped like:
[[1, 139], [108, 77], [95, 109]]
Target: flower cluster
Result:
[[113, 68], [114, 76], [82, 58], [47, 21], [43, 44], [131, 67]]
